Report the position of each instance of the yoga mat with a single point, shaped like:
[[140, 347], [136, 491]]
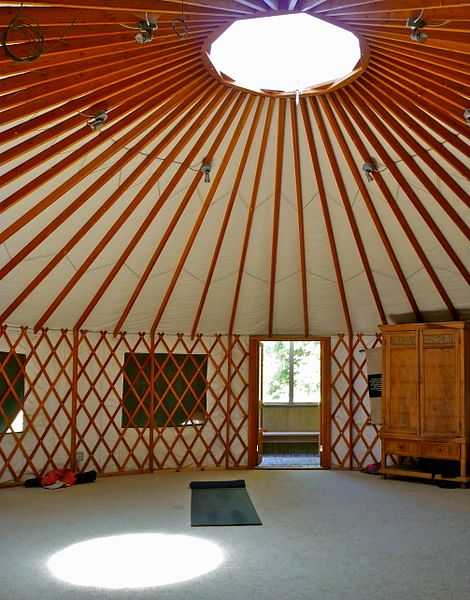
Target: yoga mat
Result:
[[221, 503]]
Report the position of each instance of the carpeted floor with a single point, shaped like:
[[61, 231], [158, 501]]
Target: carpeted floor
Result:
[[326, 534]]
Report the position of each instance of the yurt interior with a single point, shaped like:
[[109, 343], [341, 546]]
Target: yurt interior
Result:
[[234, 299]]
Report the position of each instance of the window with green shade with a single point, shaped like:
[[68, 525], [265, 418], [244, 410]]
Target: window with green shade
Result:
[[179, 383], [11, 390]]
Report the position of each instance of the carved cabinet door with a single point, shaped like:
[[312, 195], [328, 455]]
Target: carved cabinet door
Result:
[[440, 383], [401, 386]]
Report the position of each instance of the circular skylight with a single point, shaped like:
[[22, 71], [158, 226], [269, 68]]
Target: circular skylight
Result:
[[284, 53]]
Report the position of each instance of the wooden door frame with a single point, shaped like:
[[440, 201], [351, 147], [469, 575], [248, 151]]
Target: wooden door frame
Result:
[[253, 387]]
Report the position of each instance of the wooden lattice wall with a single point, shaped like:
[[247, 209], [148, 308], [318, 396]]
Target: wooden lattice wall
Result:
[[73, 404], [354, 441]]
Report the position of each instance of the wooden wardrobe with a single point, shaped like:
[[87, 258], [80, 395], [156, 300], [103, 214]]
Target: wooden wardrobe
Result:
[[426, 401]]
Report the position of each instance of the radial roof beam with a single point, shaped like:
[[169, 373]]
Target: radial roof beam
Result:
[[326, 214], [210, 196], [192, 93], [228, 212], [383, 155], [79, 154], [211, 8], [143, 105], [412, 124], [183, 205], [348, 125], [44, 83], [436, 168], [76, 119], [251, 211], [125, 215], [300, 213], [281, 124], [410, 193], [426, 113], [346, 203], [222, 102]]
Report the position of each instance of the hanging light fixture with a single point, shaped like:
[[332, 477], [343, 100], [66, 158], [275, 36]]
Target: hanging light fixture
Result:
[[145, 29], [206, 168], [416, 24], [97, 120], [368, 169]]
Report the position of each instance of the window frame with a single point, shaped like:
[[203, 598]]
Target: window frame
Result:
[[291, 384], [184, 393], [12, 388]]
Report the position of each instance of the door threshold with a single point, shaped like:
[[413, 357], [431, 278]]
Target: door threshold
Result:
[[290, 461], [289, 467]]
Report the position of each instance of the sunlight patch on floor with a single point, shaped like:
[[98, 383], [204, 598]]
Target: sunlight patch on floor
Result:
[[139, 560]]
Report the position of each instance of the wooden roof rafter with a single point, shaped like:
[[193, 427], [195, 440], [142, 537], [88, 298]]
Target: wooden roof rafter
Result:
[[104, 136], [326, 213], [447, 94], [391, 201], [383, 156], [183, 205], [130, 82], [347, 124], [281, 124], [405, 112], [404, 115], [118, 224], [33, 81], [427, 115], [251, 211], [444, 57], [300, 213], [346, 203], [421, 152], [389, 7], [77, 119], [444, 112], [209, 197], [410, 193], [198, 96], [449, 73], [172, 7], [228, 212], [445, 42]]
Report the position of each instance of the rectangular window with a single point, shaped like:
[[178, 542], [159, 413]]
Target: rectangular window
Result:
[[11, 391], [291, 372], [179, 384]]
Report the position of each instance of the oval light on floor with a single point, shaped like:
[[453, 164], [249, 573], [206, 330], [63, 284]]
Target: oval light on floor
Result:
[[138, 560]]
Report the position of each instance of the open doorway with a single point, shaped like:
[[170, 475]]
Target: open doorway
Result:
[[290, 402]]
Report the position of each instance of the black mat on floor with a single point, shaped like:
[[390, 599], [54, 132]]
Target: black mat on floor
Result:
[[221, 503]]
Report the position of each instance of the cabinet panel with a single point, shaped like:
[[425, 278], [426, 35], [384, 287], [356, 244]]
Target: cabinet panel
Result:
[[436, 450], [440, 404], [402, 447], [401, 384]]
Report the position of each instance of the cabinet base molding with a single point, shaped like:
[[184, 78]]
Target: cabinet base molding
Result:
[[412, 472]]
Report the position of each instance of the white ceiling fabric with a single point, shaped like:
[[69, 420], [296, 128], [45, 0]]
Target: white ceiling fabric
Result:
[[250, 252]]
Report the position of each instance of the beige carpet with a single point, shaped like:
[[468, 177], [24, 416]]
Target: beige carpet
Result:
[[325, 534]]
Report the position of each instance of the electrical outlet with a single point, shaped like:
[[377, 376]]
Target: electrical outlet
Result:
[[79, 456]]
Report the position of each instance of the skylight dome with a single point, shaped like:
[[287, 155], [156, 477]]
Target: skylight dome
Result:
[[284, 53]]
